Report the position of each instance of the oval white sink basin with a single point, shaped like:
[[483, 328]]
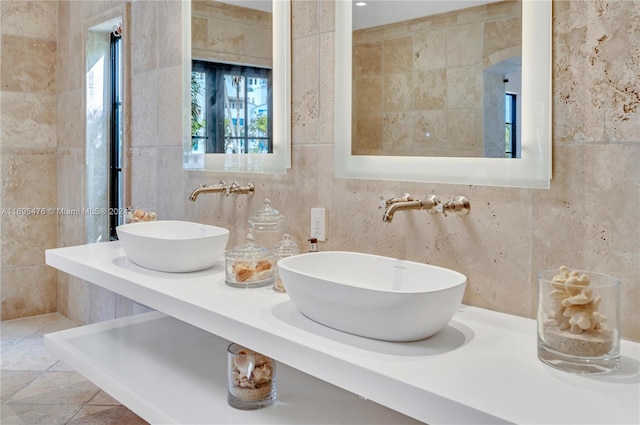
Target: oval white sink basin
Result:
[[371, 295], [172, 245]]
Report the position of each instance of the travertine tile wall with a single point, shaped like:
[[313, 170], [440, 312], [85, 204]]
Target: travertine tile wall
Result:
[[28, 124], [425, 76], [222, 32], [73, 20], [152, 30], [589, 218]]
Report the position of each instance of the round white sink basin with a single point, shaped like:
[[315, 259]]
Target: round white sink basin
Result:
[[371, 295], [173, 246]]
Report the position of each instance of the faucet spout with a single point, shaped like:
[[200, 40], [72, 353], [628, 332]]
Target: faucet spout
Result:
[[430, 204], [213, 188]]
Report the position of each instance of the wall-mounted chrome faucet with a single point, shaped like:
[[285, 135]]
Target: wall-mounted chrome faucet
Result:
[[229, 189], [459, 205]]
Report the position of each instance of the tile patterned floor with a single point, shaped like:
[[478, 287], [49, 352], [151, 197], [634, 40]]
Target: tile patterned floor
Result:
[[36, 388]]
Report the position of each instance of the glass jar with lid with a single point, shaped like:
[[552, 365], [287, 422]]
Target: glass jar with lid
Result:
[[249, 266], [285, 248], [267, 225]]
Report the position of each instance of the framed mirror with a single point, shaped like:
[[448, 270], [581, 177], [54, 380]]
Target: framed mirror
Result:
[[237, 83], [437, 100]]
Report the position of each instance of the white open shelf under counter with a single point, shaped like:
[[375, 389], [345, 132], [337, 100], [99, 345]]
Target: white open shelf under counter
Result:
[[170, 372]]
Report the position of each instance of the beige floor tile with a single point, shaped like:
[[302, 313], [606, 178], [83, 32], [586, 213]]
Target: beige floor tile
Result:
[[28, 354], [12, 381], [59, 324], [37, 388], [106, 415], [104, 399], [37, 414], [59, 366], [14, 331], [56, 388]]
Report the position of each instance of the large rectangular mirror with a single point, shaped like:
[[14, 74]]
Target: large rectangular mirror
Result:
[[238, 86], [424, 96]]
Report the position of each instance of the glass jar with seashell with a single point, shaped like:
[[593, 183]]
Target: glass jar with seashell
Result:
[[251, 378]]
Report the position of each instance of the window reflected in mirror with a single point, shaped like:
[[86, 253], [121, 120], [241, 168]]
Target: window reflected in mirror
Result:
[[230, 108], [240, 96]]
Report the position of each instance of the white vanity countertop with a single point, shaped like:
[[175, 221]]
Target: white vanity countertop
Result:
[[482, 368]]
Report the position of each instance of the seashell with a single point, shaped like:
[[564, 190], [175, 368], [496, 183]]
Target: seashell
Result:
[[244, 361], [243, 274], [240, 265], [265, 274], [559, 293], [581, 280], [573, 290], [582, 321], [580, 299], [588, 292], [575, 329], [263, 265]]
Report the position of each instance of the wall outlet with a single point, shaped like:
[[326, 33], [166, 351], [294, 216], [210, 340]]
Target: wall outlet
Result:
[[319, 224]]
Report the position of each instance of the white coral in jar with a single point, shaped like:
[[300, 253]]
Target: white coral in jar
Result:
[[573, 305]]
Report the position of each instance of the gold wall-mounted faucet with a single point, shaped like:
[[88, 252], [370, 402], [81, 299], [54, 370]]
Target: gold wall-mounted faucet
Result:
[[459, 205], [229, 189]]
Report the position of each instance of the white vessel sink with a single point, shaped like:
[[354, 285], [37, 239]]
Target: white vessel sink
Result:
[[372, 296], [173, 246]]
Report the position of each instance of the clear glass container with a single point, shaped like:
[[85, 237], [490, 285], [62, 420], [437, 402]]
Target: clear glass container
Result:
[[251, 378], [249, 266], [578, 320], [285, 248], [267, 225]]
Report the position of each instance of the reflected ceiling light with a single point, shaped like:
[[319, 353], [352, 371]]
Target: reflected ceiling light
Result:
[[361, 3]]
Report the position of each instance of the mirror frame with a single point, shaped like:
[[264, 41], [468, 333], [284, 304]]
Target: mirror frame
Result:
[[279, 161], [532, 170]]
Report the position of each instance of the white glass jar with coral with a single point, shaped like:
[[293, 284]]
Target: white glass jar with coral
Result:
[[578, 320]]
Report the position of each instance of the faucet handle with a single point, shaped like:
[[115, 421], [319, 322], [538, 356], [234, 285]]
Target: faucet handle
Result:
[[433, 205], [383, 203], [406, 197], [460, 206], [232, 189], [237, 189]]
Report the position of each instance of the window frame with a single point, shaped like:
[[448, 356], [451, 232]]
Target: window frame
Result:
[[115, 135], [512, 98]]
